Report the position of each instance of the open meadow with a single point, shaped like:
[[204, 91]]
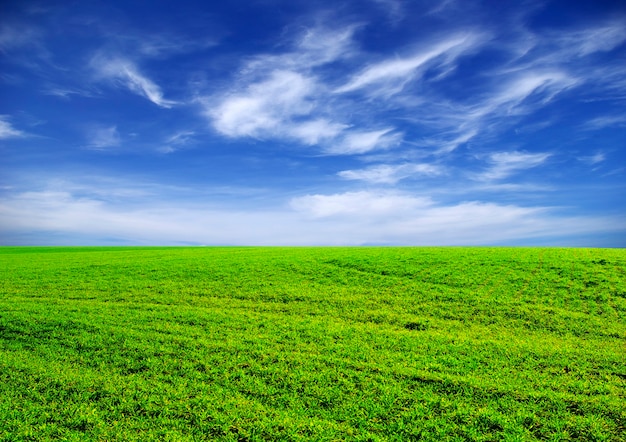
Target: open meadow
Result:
[[252, 343]]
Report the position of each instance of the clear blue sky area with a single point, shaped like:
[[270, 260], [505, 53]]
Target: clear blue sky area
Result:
[[286, 122]]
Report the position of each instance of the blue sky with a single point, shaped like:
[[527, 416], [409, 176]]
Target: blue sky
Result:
[[444, 122]]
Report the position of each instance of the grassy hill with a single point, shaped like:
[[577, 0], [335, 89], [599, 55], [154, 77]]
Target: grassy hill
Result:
[[312, 344]]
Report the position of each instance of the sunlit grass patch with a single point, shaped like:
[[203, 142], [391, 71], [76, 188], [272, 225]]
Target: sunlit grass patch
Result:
[[312, 344]]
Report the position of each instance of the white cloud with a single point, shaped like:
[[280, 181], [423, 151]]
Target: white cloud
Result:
[[265, 108], [504, 164], [103, 137], [605, 121], [390, 174], [505, 187], [359, 142], [447, 146], [319, 46], [125, 72], [277, 107], [177, 141], [181, 137], [389, 77], [511, 97], [66, 92], [594, 159], [7, 130], [277, 96], [316, 132], [315, 47]]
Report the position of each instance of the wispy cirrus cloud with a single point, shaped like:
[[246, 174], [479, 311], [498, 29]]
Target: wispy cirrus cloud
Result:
[[391, 173], [603, 122], [389, 77], [541, 68], [524, 92], [518, 95], [580, 53], [312, 48], [7, 130], [166, 44], [467, 130], [602, 37], [125, 73], [180, 138], [67, 92], [177, 141], [504, 164], [594, 159], [359, 142]]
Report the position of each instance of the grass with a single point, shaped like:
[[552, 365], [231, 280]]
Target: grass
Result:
[[307, 344]]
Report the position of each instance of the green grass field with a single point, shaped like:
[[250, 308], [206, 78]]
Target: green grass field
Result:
[[307, 344]]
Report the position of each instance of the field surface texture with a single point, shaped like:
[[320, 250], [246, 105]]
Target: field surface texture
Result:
[[436, 344]]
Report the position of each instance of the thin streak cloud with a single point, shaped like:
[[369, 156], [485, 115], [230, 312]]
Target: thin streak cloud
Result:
[[391, 173], [389, 77], [360, 142], [124, 73], [504, 164]]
